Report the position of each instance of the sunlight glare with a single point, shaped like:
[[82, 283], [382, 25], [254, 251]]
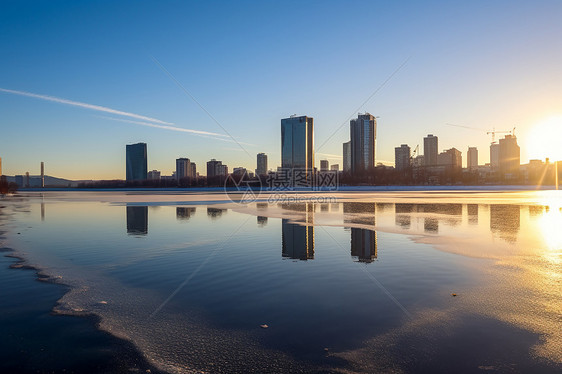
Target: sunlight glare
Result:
[[544, 140]]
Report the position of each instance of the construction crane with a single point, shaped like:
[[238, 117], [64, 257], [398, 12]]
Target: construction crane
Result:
[[494, 132], [414, 153]]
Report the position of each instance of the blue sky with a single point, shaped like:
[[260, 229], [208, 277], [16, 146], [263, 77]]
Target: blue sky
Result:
[[479, 64]]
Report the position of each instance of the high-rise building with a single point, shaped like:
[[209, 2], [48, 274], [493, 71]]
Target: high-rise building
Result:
[[223, 170], [193, 170], [261, 164], [154, 175], [27, 179], [363, 135], [324, 165], [402, 157], [335, 167], [430, 150], [472, 158], [216, 168], [42, 174], [136, 167], [347, 157], [297, 143], [450, 158], [495, 156], [510, 156], [183, 168]]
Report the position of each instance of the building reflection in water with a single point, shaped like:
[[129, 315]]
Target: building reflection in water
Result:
[[137, 220], [297, 241], [262, 221], [472, 211], [505, 220], [359, 213], [363, 244], [215, 213], [183, 213], [431, 225], [402, 215]]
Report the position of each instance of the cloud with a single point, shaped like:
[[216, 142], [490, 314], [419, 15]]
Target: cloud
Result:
[[141, 120], [85, 105], [329, 155], [165, 127]]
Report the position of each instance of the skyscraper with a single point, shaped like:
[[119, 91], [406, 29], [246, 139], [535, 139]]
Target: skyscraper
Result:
[[183, 168], [324, 165], [297, 143], [347, 157], [495, 156], [363, 135], [261, 164], [510, 156], [214, 168], [472, 158], [193, 170], [430, 150], [402, 157], [450, 158], [136, 167]]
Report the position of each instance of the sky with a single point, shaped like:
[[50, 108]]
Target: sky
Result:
[[212, 79]]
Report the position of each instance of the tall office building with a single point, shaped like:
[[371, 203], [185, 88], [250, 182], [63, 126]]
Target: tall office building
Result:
[[363, 135], [297, 143], [261, 164], [450, 158], [136, 167], [215, 168], [430, 150], [495, 156], [347, 157], [402, 156], [324, 165], [193, 170], [472, 158], [510, 156], [183, 168]]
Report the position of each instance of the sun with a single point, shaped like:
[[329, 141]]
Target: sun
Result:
[[544, 140]]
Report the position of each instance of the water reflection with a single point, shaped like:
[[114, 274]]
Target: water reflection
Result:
[[359, 213], [363, 245], [215, 213], [297, 241], [262, 221], [183, 213], [505, 220], [472, 211], [137, 220]]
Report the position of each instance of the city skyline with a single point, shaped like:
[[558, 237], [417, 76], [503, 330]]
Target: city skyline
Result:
[[89, 102]]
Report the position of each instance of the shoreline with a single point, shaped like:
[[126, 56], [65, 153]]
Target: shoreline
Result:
[[133, 360]]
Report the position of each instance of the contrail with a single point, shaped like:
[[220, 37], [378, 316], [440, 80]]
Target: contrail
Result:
[[85, 105], [165, 127]]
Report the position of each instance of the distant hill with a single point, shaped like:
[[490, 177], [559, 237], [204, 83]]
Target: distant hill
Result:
[[35, 181]]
